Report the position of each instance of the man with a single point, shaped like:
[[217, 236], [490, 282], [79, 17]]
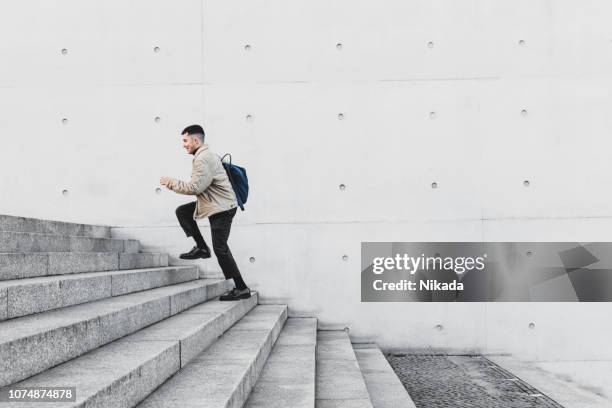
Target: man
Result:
[[216, 200]]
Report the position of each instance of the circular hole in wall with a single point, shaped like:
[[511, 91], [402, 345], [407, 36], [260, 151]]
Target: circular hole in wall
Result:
[[64, 51], [430, 44], [432, 115], [439, 327], [158, 190], [434, 185], [157, 119], [532, 325], [345, 257], [156, 50], [339, 46], [340, 116], [252, 259], [65, 192], [64, 121], [524, 112], [521, 42], [526, 183], [342, 187], [247, 47]]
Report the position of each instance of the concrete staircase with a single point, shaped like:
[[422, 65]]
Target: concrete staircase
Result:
[[81, 309]]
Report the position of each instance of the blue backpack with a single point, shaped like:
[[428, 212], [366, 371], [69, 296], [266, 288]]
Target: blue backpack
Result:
[[239, 180]]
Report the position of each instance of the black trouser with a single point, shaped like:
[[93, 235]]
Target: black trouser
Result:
[[220, 225]]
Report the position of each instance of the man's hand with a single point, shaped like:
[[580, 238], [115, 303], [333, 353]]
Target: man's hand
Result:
[[164, 181]]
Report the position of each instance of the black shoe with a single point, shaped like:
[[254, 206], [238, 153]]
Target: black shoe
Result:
[[195, 253], [236, 294]]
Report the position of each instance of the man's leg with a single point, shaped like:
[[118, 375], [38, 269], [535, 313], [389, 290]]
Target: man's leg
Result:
[[220, 225], [184, 213]]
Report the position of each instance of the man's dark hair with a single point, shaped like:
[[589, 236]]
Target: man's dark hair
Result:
[[194, 130]]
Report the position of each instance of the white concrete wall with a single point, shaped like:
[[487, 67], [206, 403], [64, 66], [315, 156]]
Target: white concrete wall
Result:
[[476, 64]]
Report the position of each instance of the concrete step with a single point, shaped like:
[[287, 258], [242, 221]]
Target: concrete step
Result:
[[22, 224], [24, 265], [32, 344], [385, 388], [35, 295], [35, 242], [288, 378], [339, 379], [224, 374], [124, 372]]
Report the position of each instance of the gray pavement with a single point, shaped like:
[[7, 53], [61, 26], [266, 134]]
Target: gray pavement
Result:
[[439, 381]]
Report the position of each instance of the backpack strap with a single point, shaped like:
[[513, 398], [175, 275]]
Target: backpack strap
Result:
[[225, 155]]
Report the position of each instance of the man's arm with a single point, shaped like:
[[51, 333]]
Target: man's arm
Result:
[[201, 178]]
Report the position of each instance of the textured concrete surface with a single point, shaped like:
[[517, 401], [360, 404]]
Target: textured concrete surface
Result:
[[84, 244], [34, 295], [22, 265], [142, 260], [22, 224], [193, 293], [3, 304], [344, 403], [198, 327], [142, 279], [24, 299], [593, 376], [28, 265], [385, 389], [339, 379], [560, 385], [122, 373], [77, 262], [118, 374], [31, 344], [463, 381], [224, 374], [35, 242], [288, 377], [131, 246]]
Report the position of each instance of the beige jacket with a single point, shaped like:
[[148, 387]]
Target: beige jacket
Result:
[[209, 182]]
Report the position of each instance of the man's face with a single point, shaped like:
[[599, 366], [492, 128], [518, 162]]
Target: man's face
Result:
[[190, 144]]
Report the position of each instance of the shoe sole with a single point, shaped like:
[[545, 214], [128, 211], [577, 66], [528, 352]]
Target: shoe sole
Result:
[[245, 296], [194, 257]]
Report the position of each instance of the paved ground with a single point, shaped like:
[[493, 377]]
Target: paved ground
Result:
[[438, 381]]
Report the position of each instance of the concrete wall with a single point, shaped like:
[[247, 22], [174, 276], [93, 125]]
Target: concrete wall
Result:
[[383, 97]]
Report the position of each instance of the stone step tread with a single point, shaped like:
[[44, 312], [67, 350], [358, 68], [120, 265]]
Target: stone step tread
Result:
[[124, 372], [19, 265], [11, 241], [385, 388], [339, 378], [288, 378], [224, 374], [9, 283], [25, 224], [35, 295], [84, 253], [34, 343], [30, 325], [47, 234]]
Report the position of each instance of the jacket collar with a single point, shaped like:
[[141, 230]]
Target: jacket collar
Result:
[[202, 148]]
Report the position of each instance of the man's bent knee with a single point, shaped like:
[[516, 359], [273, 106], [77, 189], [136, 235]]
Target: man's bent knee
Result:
[[182, 209]]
